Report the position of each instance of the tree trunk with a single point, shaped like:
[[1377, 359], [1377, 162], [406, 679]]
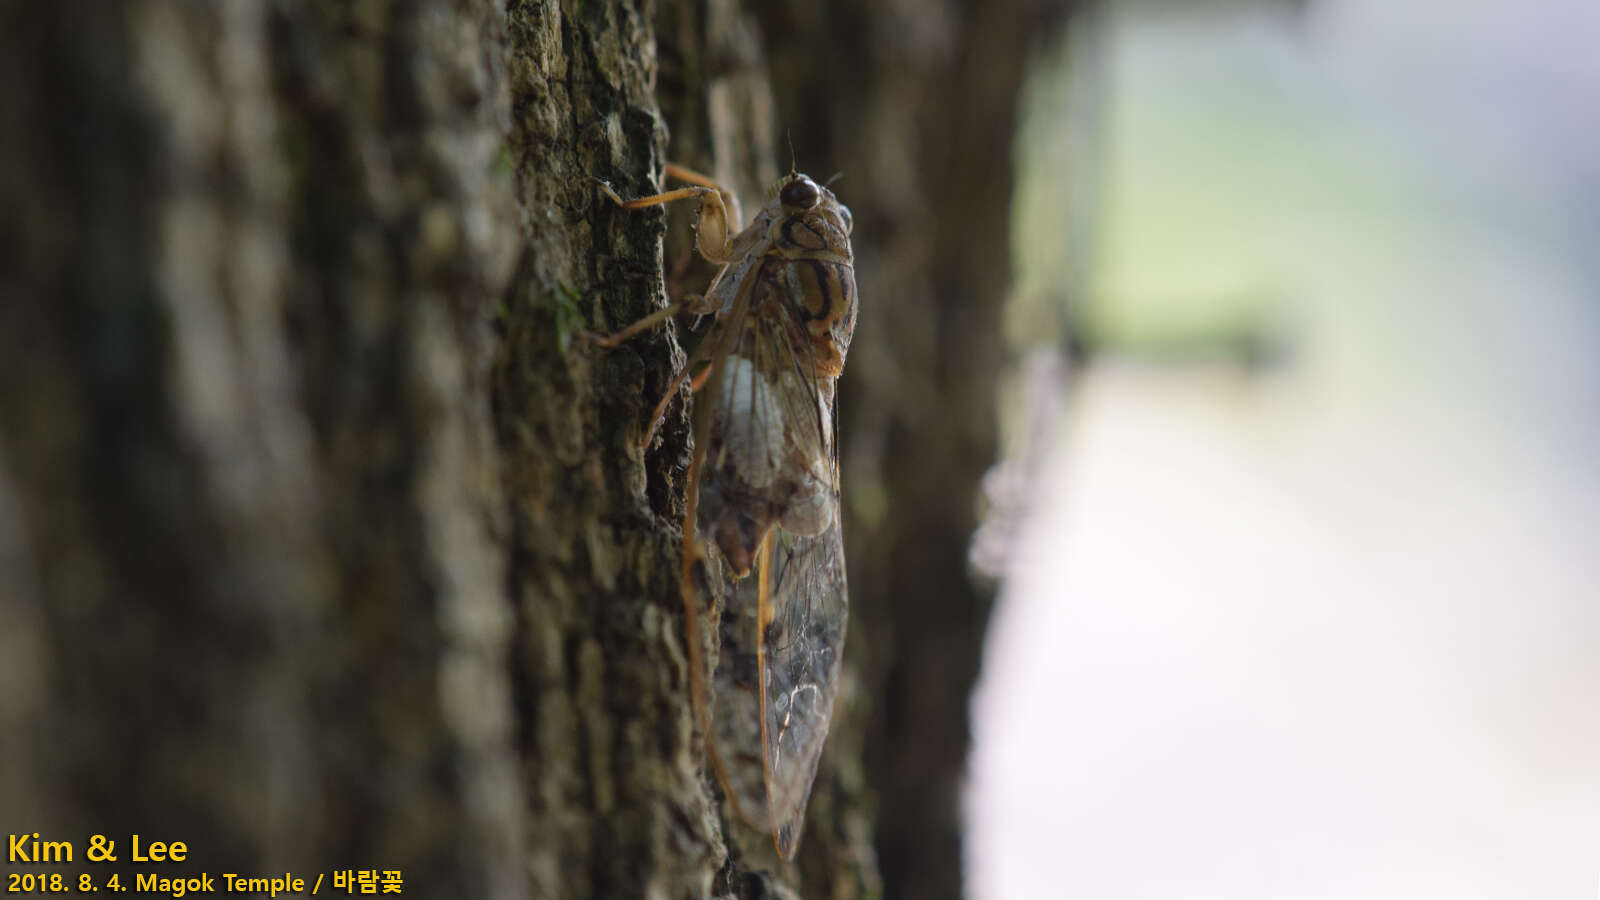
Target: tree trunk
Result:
[[325, 541]]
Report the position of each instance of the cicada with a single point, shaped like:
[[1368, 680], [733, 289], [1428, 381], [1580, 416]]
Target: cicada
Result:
[[763, 484]]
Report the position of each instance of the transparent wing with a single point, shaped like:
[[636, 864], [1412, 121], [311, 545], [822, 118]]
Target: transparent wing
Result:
[[804, 603], [769, 500]]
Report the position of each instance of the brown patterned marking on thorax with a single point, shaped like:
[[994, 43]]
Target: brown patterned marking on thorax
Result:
[[810, 275], [816, 301]]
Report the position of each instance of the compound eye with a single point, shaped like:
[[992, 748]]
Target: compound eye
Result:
[[799, 193]]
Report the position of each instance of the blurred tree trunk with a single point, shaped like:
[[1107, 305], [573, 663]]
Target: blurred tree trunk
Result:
[[326, 544], [254, 514]]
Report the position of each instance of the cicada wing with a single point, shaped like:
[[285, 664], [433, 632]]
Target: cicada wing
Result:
[[771, 457], [769, 502], [804, 605]]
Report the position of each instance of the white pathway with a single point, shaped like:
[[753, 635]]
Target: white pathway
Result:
[[1332, 631]]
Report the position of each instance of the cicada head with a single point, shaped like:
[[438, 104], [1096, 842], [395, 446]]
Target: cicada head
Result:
[[809, 219]]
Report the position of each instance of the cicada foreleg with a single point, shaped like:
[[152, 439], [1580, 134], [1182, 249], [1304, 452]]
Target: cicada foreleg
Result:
[[719, 210]]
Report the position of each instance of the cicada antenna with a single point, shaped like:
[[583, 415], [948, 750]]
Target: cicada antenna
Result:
[[832, 178], [794, 165]]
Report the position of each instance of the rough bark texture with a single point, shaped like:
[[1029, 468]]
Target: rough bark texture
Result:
[[325, 541]]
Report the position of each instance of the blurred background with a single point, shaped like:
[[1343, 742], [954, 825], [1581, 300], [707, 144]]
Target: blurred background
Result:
[[1303, 597]]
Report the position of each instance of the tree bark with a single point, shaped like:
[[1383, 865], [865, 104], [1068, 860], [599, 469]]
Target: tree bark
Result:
[[252, 485], [325, 538]]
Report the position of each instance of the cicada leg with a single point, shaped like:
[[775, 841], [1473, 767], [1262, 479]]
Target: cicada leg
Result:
[[714, 237], [717, 343], [700, 354], [719, 210], [700, 380], [718, 207], [650, 321], [746, 634]]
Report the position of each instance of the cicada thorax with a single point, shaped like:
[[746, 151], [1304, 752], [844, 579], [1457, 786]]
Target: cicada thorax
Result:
[[770, 459], [818, 298], [809, 271]]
